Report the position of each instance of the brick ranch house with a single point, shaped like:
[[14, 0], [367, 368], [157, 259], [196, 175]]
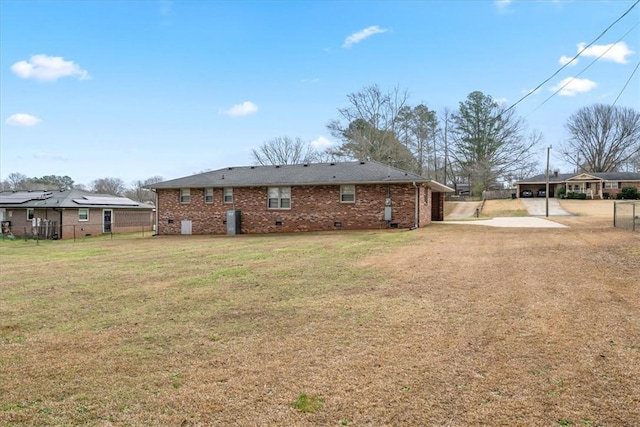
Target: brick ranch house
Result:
[[69, 213], [594, 184], [302, 197]]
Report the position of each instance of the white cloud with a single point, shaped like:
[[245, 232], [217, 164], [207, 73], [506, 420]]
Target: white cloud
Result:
[[21, 119], [572, 87], [243, 109], [321, 143], [501, 101], [615, 52], [46, 68], [502, 4], [363, 34], [564, 60], [47, 156]]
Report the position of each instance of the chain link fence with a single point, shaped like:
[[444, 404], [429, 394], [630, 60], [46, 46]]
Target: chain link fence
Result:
[[50, 230], [626, 215]]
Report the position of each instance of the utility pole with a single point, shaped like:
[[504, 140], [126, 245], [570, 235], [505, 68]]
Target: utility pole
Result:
[[446, 145], [546, 192]]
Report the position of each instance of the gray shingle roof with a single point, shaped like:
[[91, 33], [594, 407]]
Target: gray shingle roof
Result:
[[369, 172], [66, 199], [562, 177]]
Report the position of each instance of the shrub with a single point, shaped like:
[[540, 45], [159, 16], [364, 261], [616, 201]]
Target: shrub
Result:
[[561, 192], [606, 195], [574, 195], [628, 193]]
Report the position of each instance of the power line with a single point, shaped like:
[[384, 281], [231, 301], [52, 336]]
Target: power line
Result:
[[625, 85], [575, 57], [585, 69]]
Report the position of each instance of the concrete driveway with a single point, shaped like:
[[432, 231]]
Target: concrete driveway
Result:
[[512, 222], [535, 206]]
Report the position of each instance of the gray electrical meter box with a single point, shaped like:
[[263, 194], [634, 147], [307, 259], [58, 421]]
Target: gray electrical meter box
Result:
[[387, 213], [233, 222]]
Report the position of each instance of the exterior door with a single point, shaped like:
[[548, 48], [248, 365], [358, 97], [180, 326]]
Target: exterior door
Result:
[[107, 216], [185, 227]]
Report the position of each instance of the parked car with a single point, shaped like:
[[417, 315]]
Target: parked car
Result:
[[541, 193], [526, 193]]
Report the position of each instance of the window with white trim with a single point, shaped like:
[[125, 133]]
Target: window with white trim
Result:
[[83, 214], [279, 198], [208, 195], [185, 195], [228, 195], [609, 185], [29, 214], [347, 193]]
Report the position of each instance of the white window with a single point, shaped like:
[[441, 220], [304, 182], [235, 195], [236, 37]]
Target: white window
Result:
[[29, 214], [347, 193], [208, 195], [185, 195], [611, 185], [228, 195], [279, 198], [83, 214]]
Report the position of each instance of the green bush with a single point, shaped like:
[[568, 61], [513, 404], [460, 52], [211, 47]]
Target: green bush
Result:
[[606, 195], [628, 193], [574, 195], [561, 192]]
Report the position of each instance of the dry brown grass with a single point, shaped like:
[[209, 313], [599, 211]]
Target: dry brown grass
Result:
[[446, 325], [503, 207], [590, 208]]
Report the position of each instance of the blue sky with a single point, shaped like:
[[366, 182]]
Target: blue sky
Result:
[[134, 89]]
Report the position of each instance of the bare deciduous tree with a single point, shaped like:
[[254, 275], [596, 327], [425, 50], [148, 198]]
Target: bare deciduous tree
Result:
[[113, 186], [284, 151], [602, 137], [368, 127], [140, 193], [16, 181]]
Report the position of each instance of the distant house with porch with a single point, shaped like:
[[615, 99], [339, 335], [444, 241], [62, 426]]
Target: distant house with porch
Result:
[[595, 185], [69, 213], [302, 197]]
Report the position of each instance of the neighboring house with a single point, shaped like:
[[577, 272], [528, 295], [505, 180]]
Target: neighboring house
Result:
[[594, 184], [303, 197], [69, 213]]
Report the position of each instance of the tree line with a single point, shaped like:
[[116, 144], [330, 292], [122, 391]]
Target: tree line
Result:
[[483, 144]]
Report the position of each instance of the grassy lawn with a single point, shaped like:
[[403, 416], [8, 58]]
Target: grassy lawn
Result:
[[445, 325]]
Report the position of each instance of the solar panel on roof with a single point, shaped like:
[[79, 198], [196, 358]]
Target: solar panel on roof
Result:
[[14, 199], [24, 196], [105, 200]]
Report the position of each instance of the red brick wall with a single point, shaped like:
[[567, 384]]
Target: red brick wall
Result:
[[313, 208], [614, 191]]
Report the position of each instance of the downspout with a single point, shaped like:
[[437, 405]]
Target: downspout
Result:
[[416, 222], [156, 214]]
